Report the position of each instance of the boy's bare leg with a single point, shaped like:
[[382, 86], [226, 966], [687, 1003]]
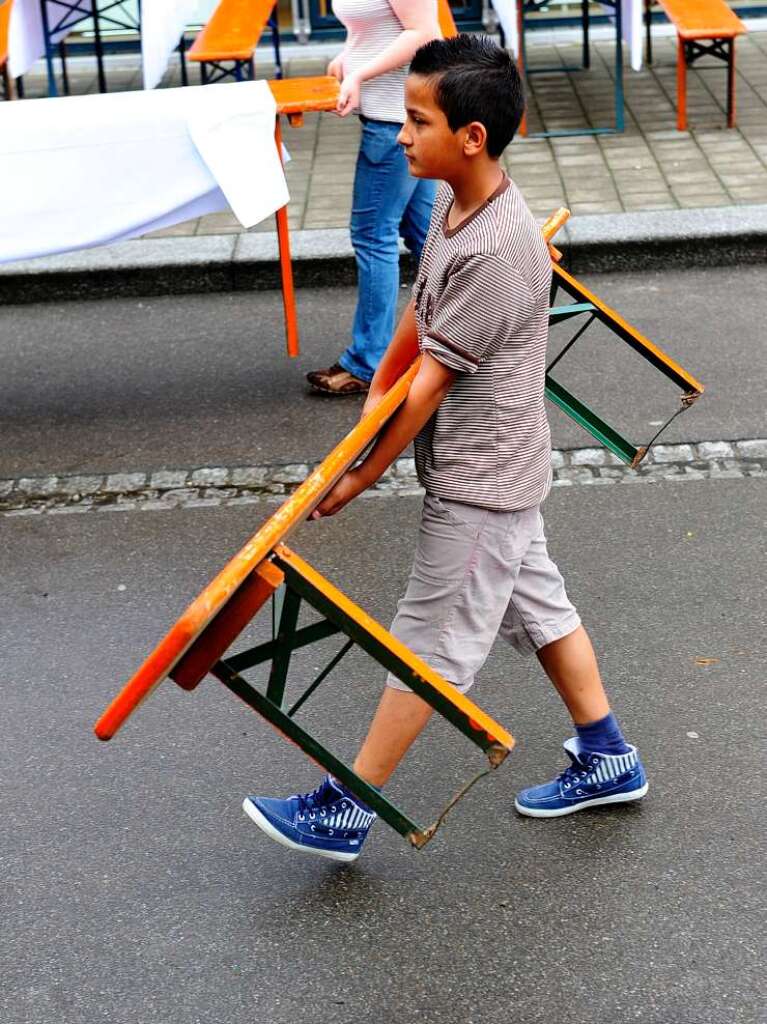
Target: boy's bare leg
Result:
[[571, 665], [398, 721]]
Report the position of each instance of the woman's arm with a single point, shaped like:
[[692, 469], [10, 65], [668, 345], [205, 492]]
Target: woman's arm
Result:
[[419, 25]]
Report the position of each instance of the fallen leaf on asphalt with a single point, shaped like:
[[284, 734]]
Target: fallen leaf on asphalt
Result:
[[706, 661]]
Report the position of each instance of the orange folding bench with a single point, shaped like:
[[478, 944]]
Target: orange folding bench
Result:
[[226, 46], [5, 17], [705, 28]]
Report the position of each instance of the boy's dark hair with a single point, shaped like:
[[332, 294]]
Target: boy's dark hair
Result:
[[477, 81]]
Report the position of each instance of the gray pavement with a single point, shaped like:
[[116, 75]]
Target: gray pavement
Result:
[[150, 384], [135, 890]]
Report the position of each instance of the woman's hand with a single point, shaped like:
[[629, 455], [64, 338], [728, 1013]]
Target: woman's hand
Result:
[[349, 486], [349, 97], [336, 67]]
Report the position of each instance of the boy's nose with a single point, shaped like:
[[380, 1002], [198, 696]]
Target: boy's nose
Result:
[[403, 139]]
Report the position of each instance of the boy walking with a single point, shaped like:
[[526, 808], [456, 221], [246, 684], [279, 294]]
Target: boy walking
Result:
[[476, 411]]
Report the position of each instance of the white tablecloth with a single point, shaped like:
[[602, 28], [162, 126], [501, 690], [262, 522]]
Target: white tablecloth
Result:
[[26, 40], [86, 170], [162, 22], [631, 11], [507, 15]]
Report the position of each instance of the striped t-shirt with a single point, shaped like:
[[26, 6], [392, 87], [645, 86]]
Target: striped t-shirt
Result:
[[482, 308], [371, 25]]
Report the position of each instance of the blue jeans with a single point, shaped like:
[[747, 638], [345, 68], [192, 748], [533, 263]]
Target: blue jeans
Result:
[[387, 203]]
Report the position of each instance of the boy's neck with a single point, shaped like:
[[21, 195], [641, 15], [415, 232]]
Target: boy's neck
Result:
[[474, 188]]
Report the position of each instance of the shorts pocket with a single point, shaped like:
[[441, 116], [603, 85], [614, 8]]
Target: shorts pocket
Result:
[[524, 526], [466, 518]]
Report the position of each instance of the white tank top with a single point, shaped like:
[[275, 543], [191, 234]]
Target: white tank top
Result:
[[371, 25]]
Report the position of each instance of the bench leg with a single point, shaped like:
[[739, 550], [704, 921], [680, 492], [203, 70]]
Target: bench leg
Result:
[[730, 83], [182, 56], [286, 267], [7, 83], [681, 86], [648, 30]]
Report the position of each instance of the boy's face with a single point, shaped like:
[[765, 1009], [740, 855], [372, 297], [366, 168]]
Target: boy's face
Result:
[[432, 150]]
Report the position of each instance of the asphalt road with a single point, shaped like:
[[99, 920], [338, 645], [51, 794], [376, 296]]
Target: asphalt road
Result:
[[143, 384], [135, 890]]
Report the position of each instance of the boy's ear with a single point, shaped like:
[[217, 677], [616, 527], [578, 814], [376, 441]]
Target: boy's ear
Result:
[[475, 140]]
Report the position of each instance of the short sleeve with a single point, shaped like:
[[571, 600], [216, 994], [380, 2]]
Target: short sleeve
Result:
[[484, 303]]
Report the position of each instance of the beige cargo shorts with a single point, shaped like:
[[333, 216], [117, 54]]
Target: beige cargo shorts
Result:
[[478, 574]]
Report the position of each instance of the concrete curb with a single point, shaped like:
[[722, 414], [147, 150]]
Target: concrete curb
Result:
[[719, 236], [238, 485]]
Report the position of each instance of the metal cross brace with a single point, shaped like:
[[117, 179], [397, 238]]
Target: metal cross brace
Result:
[[587, 305], [302, 583]]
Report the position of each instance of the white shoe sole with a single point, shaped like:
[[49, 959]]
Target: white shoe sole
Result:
[[266, 826], [616, 798]]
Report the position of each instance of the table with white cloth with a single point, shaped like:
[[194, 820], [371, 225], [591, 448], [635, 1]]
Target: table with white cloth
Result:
[[86, 170], [37, 27], [626, 16]]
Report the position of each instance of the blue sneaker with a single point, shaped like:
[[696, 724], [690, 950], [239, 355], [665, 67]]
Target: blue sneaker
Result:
[[329, 822], [590, 780]]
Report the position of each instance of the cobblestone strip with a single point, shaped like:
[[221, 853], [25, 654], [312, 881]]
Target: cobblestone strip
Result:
[[213, 486]]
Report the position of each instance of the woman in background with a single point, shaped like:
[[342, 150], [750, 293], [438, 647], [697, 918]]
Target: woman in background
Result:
[[382, 36]]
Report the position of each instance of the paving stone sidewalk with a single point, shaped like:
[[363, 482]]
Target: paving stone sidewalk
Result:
[[651, 166]]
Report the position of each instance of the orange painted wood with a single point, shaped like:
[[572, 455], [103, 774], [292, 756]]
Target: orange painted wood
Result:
[[233, 31], [681, 86], [479, 720], [216, 638], [286, 265], [588, 296], [303, 95], [551, 226], [215, 596], [703, 19], [5, 17], [446, 20]]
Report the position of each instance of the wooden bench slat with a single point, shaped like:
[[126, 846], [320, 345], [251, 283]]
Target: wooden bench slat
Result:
[[304, 95], [233, 31], [703, 19]]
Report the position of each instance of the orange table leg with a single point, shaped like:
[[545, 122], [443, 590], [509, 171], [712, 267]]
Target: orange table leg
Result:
[[286, 268], [681, 86], [730, 83]]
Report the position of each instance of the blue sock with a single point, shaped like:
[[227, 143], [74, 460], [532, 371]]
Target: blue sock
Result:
[[602, 737]]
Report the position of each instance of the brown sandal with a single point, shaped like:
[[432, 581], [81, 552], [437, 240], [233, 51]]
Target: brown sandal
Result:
[[337, 381]]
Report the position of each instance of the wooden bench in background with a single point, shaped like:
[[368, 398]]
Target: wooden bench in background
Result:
[[704, 28], [226, 46]]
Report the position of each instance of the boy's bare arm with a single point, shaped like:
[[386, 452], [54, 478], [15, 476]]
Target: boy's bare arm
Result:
[[400, 353], [431, 384]]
